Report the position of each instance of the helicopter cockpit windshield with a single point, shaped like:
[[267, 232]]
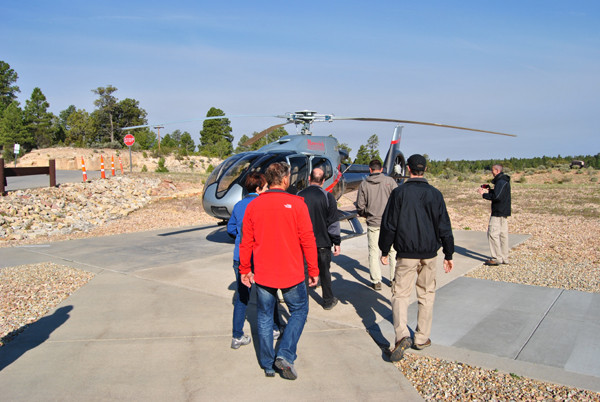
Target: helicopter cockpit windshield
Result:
[[233, 171]]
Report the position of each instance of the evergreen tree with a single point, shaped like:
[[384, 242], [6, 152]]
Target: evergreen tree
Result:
[[145, 139], [187, 143], [368, 152], [60, 125], [168, 143], [8, 89], [104, 114], [215, 136], [79, 128], [13, 131], [127, 113], [363, 156], [38, 120]]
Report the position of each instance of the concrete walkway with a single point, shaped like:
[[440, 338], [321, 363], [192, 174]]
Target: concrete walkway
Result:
[[155, 324]]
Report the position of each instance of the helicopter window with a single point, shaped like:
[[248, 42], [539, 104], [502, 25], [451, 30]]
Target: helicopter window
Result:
[[214, 176], [299, 174], [234, 170], [324, 164]]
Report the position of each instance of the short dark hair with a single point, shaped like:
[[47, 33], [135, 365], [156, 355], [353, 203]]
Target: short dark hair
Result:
[[255, 180], [317, 177], [276, 172], [375, 164]]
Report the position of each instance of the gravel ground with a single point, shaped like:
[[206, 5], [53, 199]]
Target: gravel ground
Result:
[[563, 252], [28, 292]]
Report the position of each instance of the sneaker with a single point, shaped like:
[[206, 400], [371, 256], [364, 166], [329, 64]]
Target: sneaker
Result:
[[287, 369], [422, 345], [276, 334], [241, 341], [377, 286], [269, 373], [331, 304], [398, 352], [491, 263]]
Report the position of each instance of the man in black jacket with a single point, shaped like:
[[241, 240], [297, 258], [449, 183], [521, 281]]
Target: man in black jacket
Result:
[[322, 208], [498, 226], [416, 223]]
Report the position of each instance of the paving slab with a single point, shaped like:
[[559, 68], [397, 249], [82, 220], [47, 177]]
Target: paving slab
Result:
[[155, 323]]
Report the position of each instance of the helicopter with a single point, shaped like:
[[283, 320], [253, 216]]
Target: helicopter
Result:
[[303, 152]]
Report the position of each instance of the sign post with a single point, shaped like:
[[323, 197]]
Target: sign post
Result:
[[17, 149], [129, 141]]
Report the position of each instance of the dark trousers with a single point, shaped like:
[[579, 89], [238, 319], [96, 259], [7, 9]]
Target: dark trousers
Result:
[[324, 260]]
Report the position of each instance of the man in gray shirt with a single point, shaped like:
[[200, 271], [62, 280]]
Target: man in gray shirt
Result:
[[373, 194]]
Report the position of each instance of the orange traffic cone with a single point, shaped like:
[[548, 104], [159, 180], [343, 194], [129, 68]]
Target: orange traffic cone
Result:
[[121, 164], [102, 175], [83, 170], [112, 164]]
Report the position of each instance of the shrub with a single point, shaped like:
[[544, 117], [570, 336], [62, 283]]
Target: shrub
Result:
[[522, 179], [144, 168], [210, 168], [161, 166]]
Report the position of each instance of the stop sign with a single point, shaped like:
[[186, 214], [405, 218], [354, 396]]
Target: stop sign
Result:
[[129, 140]]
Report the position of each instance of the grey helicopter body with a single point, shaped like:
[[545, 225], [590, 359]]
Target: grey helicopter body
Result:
[[224, 187]]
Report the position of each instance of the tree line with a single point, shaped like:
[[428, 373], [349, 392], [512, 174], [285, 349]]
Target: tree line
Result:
[[34, 126], [512, 164]]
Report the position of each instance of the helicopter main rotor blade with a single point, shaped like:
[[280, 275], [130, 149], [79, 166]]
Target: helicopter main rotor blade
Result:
[[264, 133], [421, 123], [200, 119]]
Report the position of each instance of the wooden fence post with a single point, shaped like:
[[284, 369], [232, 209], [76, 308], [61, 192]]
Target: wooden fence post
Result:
[[52, 172], [2, 177]]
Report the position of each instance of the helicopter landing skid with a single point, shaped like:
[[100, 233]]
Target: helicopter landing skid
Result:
[[356, 228]]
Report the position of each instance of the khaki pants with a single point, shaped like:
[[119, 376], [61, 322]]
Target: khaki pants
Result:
[[374, 254], [498, 238], [408, 272]]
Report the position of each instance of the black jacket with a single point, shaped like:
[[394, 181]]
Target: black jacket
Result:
[[500, 195], [416, 222], [322, 208]]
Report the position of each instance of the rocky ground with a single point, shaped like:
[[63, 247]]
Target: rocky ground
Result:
[[563, 217]]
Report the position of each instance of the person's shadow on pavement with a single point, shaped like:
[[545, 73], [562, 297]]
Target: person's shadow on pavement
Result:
[[31, 336]]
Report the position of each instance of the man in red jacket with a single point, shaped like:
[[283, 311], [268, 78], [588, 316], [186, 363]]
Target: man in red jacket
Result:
[[277, 233]]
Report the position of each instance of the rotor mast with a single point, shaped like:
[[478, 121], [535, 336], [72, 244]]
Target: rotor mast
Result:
[[306, 118]]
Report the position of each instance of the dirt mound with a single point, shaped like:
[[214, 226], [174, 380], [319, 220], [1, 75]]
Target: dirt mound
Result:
[[68, 158]]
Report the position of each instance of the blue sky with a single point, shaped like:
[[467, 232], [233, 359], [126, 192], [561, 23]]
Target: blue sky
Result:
[[530, 68]]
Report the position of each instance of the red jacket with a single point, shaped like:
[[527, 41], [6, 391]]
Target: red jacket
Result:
[[278, 231]]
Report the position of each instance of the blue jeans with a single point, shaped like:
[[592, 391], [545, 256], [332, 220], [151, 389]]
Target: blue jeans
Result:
[[241, 304], [297, 302]]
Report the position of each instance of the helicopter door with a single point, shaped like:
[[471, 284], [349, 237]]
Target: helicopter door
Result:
[[299, 174], [335, 185]]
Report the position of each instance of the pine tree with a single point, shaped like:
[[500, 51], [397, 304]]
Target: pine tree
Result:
[[38, 120], [215, 136]]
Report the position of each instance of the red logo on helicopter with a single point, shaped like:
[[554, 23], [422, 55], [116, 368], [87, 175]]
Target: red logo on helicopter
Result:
[[315, 146]]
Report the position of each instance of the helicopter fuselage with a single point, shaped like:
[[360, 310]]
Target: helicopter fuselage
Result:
[[225, 185]]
